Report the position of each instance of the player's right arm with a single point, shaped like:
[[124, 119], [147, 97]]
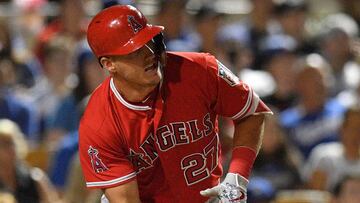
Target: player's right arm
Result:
[[127, 193], [106, 166]]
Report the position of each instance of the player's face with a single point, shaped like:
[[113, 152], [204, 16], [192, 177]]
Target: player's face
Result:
[[140, 68]]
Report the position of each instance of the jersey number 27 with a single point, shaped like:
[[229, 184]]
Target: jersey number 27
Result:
[[198, 166]]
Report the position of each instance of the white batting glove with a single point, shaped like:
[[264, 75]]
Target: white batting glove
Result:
[[104, 199], [231, 190]]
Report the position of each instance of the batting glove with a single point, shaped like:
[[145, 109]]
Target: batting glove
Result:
[[231, 190], [104, 199]]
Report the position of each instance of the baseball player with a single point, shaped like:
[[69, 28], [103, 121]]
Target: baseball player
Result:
[[149, 133]]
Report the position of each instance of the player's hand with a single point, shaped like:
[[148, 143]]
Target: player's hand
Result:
[[231, 190]]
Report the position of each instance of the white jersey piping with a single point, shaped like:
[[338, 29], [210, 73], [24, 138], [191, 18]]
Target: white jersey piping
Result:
[[111, 182], [243, 110], [124, 102]]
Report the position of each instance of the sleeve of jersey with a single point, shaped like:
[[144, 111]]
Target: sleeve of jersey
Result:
[[233, 98], [103, 162]]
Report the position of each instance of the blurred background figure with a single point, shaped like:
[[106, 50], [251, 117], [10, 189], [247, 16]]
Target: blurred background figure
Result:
[[290, 21], [303, 196], [260, 190], [351, 7], [347, 189], [71, 22], [11, 107], [207, 21], [27, 23], [6, 197], [25, 183], [280, 63], [243, 38], [54, 84], [5, 39], [67, 117], [278, 161], [316, 118], [330, 162], [178, 35], [108, 3], [75, 190], [277, 166], [336, 41]]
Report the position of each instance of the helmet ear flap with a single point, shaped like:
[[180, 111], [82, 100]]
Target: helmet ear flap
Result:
[[159, 43], [160, 48]]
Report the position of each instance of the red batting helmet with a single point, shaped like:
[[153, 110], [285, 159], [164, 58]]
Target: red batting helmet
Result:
[[119, 30]]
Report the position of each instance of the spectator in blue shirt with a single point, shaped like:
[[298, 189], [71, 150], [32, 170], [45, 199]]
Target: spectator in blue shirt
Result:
[[316, 118]]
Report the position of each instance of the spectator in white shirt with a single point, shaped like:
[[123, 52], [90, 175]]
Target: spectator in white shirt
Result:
[[328, 163]]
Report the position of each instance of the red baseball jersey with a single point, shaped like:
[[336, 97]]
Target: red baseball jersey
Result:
[[171, 145]]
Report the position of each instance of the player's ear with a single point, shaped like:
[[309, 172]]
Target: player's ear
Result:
[[107, 63]]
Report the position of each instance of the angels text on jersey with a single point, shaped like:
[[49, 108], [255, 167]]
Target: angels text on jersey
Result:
[[196, 166]]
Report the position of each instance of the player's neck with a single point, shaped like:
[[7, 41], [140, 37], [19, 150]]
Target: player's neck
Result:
[[133, 93]]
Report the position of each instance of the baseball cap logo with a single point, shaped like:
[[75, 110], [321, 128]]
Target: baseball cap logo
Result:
[[136, 26]]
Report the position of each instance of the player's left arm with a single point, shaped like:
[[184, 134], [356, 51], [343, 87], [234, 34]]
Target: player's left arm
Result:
[[249, 131], [246, 144], [237, 100]]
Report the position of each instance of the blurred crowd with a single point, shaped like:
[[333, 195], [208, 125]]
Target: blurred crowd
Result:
[[301, 57]]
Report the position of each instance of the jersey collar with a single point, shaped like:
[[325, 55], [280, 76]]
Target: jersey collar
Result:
[[124, 102]]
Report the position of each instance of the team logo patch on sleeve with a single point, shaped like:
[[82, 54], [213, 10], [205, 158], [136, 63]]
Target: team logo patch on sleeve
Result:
[[96, 162], [227, 75]]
